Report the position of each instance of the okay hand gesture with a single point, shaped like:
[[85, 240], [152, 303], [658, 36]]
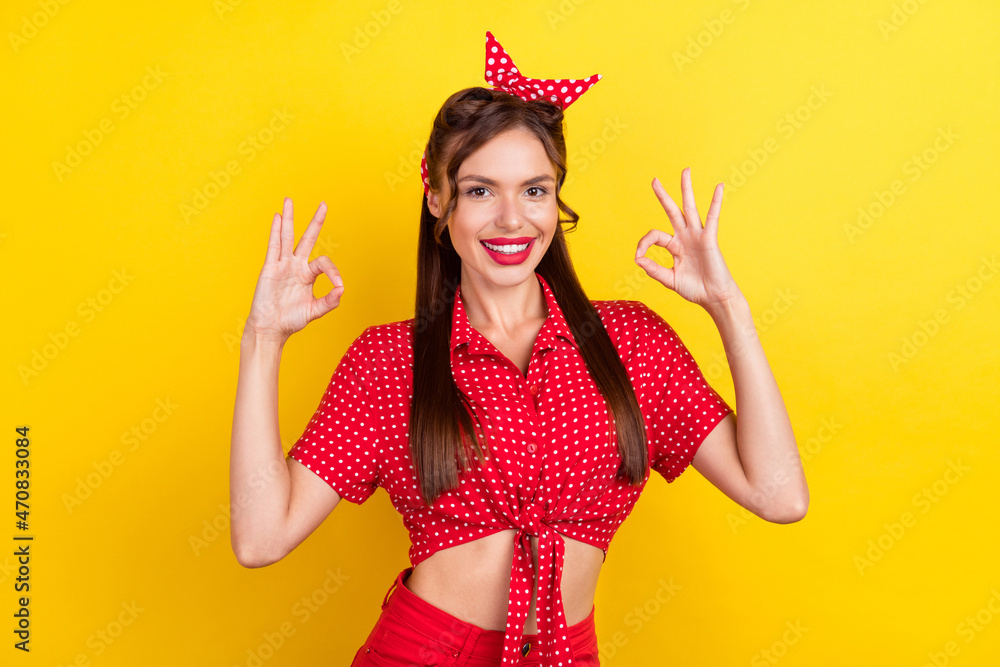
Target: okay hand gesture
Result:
[[699, 273], [283, 301]]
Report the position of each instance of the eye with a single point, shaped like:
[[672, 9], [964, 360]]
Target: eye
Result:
[[475, 190], [539, 191]]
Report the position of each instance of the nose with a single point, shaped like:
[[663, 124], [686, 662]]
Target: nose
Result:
[[509, 213]]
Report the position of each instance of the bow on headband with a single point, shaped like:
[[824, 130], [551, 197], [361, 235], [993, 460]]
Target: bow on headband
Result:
[[501, 73]]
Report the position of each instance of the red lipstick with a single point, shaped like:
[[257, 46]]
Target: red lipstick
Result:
[[508, 258]]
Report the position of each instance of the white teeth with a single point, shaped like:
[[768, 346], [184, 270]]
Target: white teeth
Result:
[[506, 249]]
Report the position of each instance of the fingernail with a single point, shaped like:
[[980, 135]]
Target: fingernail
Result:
[[337, 281]]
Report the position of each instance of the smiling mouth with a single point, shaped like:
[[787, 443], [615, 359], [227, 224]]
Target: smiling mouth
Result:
[[507, 248]]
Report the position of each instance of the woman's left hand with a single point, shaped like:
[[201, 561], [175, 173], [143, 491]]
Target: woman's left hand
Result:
[[699, 273]]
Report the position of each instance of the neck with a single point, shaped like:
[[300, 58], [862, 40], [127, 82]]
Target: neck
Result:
[[490, 306]]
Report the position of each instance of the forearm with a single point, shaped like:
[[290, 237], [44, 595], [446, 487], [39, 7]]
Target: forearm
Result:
[[764, 436], [259, 485]]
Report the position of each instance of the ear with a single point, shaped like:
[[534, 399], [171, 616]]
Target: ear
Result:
[[434, 203]]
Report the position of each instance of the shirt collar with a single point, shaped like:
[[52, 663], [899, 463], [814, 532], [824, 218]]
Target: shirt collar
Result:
[[555, 324]]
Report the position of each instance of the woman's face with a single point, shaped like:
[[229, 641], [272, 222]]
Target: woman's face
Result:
[[506, 213]]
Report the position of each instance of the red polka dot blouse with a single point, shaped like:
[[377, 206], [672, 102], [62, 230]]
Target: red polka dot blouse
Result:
[[551, 468]]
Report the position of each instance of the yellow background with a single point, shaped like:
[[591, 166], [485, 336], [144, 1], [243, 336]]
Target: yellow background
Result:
[[834, 301]]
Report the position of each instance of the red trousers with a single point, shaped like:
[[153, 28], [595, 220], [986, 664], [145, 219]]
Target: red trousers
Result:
[[411, 632]]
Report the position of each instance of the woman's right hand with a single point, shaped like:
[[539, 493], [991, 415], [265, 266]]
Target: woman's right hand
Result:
[[283, 300]]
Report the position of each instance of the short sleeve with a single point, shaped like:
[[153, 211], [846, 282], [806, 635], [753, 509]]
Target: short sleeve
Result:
[[685, 407], [340, 443]]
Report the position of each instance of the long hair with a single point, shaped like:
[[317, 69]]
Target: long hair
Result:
[[442, 433]]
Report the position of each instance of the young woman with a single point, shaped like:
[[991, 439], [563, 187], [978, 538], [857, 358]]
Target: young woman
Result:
[[513, 421]]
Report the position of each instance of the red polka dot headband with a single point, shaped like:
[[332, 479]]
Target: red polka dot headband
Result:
[[503, 75]]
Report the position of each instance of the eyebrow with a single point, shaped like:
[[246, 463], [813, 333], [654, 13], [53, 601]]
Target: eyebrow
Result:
[[489, 181]]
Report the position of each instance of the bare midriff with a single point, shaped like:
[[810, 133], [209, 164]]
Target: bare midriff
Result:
[[471, 581]]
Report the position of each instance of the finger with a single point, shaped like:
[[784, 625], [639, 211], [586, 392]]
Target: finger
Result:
[[668, 204], [653, 236], [305, 244], [274, 241], [687, 198], [287, 230], [657, 272], [331, 299], [324, 265], [712, 218]]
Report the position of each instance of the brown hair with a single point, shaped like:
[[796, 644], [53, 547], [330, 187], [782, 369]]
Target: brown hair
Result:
[[440, 414]]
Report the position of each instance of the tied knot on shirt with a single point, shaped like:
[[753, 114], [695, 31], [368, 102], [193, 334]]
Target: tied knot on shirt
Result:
[[530, 520]]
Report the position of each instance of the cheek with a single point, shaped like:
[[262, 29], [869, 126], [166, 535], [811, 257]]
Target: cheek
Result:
[[463, 229], [546, 217], [471, 218]]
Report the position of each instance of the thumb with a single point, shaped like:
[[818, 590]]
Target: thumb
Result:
[[328, 302]]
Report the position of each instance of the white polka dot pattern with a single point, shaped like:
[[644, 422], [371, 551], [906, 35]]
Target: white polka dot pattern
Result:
[[550, 465], [502, 74]]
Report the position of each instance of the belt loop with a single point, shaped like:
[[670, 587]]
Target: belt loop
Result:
[[399, 577], [385, 600]]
